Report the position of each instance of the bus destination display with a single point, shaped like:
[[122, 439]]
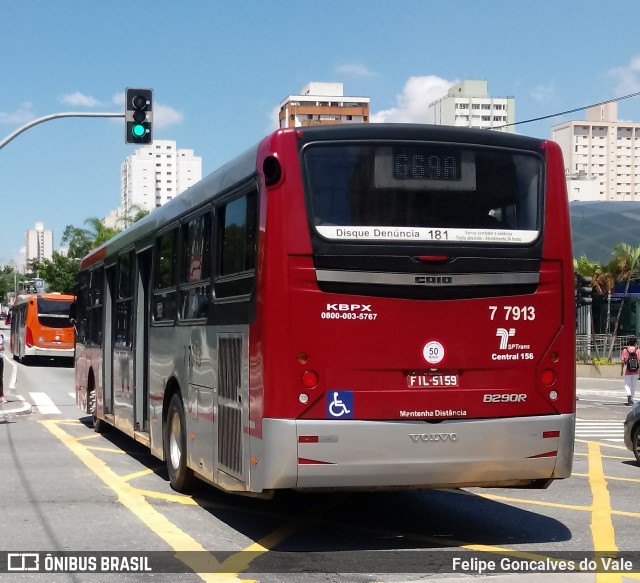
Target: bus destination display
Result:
[[431, 164], [427, 167]]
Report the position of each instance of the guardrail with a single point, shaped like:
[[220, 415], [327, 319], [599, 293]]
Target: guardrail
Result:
[[590, 346]]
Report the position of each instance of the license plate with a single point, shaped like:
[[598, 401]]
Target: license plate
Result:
[[429, 381]]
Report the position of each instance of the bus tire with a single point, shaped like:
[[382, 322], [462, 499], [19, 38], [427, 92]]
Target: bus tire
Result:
[[635, 443], [181, 477], [99, 426]]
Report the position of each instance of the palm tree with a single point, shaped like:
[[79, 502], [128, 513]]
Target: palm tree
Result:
[[603, 283], [589, 268], [627, 261], [134, 214], [100, 234]]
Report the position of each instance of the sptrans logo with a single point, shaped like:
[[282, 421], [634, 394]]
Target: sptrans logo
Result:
[[504, 336]]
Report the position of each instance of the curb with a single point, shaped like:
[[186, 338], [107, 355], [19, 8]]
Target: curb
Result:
[[15, 405]]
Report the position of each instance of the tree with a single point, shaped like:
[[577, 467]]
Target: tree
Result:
[[60, 273], [589, 268], [627, 260], [100, 233], [133, 215], [7, 282], [78, 241], [81, 241]]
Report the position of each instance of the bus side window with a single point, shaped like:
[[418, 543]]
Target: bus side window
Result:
[[237, 227], [195, 288], [124, 300], [164, 284]]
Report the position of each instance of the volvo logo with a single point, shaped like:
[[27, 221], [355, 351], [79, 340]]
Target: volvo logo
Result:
[[416, 437], [434, 279]]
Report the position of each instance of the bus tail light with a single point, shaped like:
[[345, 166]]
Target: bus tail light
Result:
[[310, 379], [28, 338], [548, 377]]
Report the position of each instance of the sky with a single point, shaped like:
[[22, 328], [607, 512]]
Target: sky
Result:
[[219, 71]]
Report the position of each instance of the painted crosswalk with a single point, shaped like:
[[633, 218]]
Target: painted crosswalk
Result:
[[612, 431], [44, 404]]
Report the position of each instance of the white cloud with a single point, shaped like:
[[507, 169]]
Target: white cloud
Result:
[[22, 115], [274, 119], [413, 102], [628, 77], [163, 115], [543, 93], [80, 99], [354, 70]]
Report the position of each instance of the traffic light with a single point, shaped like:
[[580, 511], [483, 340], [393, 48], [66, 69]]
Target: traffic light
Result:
[[583, 290], [138, 116]]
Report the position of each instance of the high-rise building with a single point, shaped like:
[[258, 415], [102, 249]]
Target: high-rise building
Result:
[[155, 174], [602, 150], [469, 105], [38, 245], [322, 104]]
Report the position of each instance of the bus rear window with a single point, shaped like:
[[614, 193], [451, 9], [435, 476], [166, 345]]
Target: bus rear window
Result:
[[411, 192], [54, 313]]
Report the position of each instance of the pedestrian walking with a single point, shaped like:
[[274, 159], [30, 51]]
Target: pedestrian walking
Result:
[[630, 369], [2, 399]]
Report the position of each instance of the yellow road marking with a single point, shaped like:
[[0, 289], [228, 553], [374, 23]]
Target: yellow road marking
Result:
[[601, 524], [136, 503], [135, 475], [611, 478], [602, 531], [107, 449], [533, 502], [177, 498], [88, 437], [608, 457]]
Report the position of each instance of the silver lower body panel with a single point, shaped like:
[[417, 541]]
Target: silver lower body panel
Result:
[[414, 454]]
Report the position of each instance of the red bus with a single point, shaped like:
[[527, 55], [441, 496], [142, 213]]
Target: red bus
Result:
[[40, 326], [351, 306]]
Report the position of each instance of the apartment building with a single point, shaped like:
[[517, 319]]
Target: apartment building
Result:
[[603, 150], [321, 104], [155, 174], [38, 244], [468, 104]]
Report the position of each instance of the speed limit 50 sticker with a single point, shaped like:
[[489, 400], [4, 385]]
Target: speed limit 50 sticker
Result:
[[433, 352]]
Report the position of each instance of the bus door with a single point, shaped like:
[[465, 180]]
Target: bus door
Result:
[[141, 341], [125, 321], [110, 285]]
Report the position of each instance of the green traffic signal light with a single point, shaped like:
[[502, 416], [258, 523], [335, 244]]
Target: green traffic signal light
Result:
[[138, 116], [138, 130]]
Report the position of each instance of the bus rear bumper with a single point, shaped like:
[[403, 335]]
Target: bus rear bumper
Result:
[[523, 451], [51, 352]]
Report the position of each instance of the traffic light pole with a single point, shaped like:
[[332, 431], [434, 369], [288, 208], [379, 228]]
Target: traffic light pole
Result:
[[40, 120]]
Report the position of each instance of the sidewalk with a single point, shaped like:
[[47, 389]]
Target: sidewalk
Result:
[[14, 405]]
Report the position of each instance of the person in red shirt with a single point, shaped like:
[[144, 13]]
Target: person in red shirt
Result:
[[630, 370]]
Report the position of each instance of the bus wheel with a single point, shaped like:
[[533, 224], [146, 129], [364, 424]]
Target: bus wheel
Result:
[[99, 426], [635, 440], [181, 477]]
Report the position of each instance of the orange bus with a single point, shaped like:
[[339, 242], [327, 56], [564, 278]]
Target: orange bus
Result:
[[40, 326]]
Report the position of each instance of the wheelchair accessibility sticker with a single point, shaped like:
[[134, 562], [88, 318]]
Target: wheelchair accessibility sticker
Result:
[[340, 404]]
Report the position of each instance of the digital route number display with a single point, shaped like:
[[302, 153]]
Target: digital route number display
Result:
[[426, 164], [427, 167]]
